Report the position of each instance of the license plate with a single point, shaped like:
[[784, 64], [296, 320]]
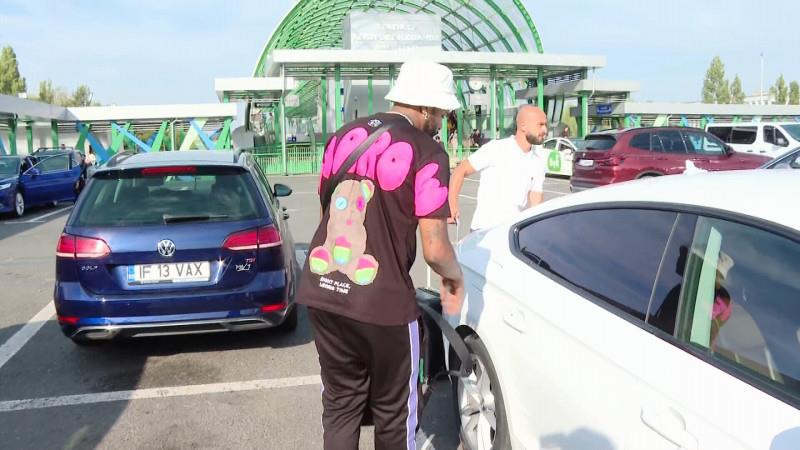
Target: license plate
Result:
[[586, 162], [187, 272]]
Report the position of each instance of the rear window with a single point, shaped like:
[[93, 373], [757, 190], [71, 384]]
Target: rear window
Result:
[[169, 195], [598, 142]]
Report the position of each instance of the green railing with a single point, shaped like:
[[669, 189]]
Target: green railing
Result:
[[300, 158]]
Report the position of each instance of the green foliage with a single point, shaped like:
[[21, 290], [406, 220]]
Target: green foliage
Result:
[[11, 83], [781, 91], [46, 92], [737, 93], [794, 93], [714, 82]]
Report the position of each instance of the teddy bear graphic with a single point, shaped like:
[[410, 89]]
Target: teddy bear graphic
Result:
[[346, 238]]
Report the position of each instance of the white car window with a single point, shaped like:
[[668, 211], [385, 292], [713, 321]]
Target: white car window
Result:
[[612, 254], [739, 301]]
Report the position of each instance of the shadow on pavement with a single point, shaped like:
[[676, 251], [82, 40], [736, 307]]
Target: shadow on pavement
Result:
[[10, 225]]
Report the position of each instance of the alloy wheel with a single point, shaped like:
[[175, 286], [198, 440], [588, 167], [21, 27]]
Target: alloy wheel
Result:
[[476, 406]]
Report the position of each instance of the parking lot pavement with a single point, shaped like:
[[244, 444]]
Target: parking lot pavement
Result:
[[243, 390]]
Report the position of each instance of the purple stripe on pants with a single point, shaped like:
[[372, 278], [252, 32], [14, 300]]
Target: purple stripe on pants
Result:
[[411, 421]]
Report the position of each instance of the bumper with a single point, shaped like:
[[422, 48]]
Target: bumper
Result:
[[263, 303], [7, 201], [103, 332]]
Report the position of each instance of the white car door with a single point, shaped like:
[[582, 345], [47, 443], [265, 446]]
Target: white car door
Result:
[[567, 303], [725, 374]]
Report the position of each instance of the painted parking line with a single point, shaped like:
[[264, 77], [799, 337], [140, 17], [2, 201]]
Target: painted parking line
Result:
[[21, 337], [166, 392], [41, 218]]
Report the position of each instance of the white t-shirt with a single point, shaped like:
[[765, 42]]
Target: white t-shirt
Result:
[[507, 176]]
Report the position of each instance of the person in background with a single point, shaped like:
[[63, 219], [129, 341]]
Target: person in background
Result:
[[512, 175]]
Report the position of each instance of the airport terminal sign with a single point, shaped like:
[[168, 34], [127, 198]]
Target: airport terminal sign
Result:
[[387, 31]]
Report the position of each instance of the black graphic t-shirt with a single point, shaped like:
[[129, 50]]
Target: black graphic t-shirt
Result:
[[360, 257]]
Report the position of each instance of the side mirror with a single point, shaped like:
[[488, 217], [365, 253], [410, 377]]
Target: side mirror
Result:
[[781, 142], [34, 172], [728, 149], [796, 163], [281, 190]]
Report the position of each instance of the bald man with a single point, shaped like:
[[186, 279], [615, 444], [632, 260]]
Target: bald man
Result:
[[512, 176]]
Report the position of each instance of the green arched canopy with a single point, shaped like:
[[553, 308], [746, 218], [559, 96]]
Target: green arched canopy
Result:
[[467, 25]]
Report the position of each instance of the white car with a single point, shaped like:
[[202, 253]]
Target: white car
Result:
[[557, 154], [767, 138], [654, 314]]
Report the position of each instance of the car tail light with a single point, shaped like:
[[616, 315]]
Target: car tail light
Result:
[[273, 308], [264, 237], [70, 246], [168, 170], [68, 320], [611, 161]]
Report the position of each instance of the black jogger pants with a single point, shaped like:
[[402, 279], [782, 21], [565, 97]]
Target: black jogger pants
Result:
[[368, 366]]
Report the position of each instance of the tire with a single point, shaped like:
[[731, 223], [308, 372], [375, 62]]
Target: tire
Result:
[[290, 323], [649, 175], [19, 204], [474, 412]]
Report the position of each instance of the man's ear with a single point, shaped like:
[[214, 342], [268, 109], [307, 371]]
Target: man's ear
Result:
[[367, 189]]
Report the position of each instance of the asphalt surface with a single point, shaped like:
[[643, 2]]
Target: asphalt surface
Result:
[[240, 390]]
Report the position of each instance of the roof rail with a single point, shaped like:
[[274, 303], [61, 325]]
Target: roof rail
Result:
[[119, 157]]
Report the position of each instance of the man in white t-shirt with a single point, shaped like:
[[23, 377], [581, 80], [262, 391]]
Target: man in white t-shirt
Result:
[[512, 175]]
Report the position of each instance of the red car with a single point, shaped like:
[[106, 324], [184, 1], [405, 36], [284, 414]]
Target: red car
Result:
[[622, 155]]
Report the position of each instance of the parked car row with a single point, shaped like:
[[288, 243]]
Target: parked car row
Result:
[[175, 243], [622, 155], [39, 179], [655, 314]]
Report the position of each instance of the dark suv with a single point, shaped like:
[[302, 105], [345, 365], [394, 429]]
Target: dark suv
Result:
[[616, 156], [175, 243]]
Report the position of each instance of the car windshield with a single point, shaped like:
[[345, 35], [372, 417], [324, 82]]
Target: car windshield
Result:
[[793, 130], [9, 166], [164, 196]]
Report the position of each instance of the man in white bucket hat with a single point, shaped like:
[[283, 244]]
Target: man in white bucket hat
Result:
[[356, 280]]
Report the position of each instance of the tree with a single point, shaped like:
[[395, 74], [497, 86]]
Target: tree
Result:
[[781, 91], [61, 97], [794, 93], [82, 96], [737, 94], [11, 82], [46, 92], [724, 93], [715, 78]]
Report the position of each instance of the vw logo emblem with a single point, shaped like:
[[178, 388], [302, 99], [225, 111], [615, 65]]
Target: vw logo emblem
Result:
[[166, 248]]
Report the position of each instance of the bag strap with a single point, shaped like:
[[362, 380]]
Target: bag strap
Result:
[[348, 163], [456, 341]]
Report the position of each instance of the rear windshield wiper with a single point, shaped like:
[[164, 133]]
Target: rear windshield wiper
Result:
[[168, 218]]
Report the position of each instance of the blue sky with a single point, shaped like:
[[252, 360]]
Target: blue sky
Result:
[[170, 51]]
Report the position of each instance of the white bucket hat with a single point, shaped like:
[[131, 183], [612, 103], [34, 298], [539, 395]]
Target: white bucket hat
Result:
[[422, 83]]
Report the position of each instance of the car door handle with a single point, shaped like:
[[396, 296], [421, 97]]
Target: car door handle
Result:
[[515, 319], [670, 425]]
